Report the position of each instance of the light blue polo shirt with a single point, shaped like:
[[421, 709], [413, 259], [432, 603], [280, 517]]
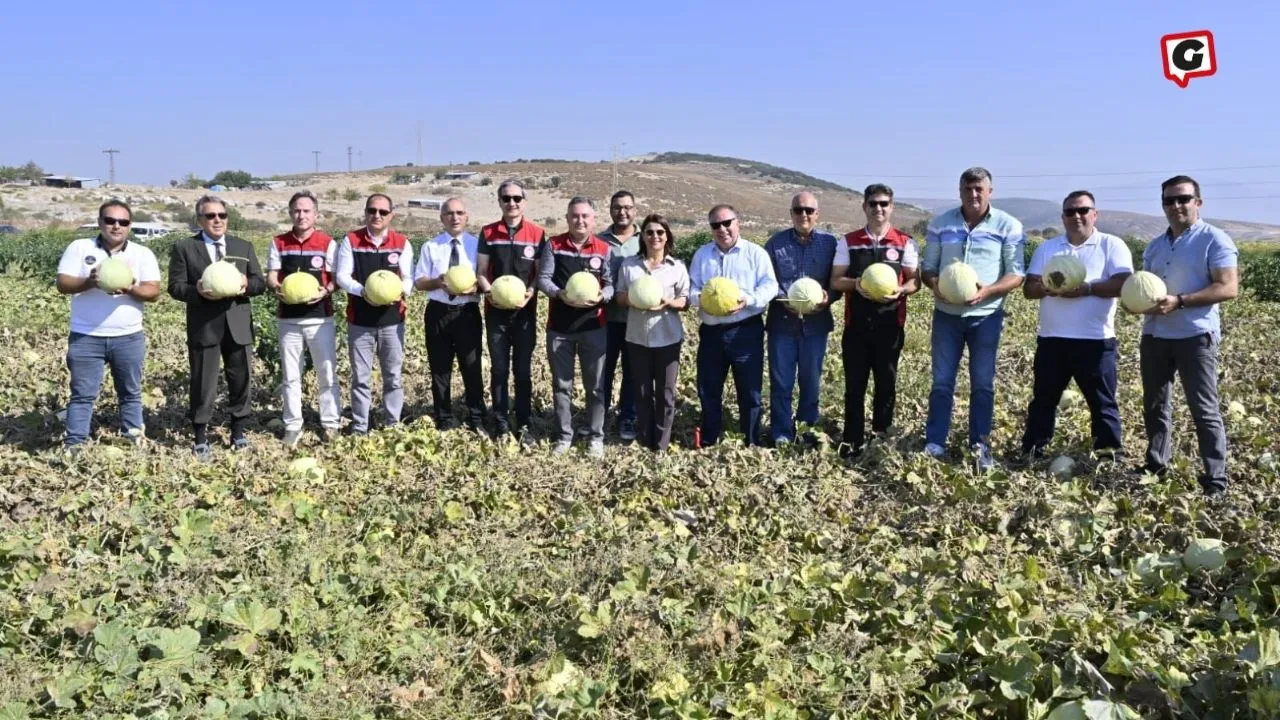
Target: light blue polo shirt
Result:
[[747, 264], [1185, 263], [993, 248]]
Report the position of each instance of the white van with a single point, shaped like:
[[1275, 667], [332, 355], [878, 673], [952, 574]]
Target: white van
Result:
[[141, 231]]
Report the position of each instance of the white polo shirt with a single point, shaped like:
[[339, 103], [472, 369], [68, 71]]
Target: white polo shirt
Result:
[[1088, 317], [93, 312]]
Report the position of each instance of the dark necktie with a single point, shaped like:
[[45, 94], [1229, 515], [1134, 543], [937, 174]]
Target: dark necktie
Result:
[[217, 251], [453, 253]]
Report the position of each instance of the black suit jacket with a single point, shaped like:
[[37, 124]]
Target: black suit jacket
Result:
[[209, 320]]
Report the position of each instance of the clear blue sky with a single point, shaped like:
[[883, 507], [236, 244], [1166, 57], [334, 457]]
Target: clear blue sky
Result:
[[853, 92]]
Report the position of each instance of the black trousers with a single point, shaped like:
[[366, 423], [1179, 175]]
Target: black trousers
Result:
[[1092, 364], [512, 336], [870, 352], [654, 372], [205, 362], [455, 331]]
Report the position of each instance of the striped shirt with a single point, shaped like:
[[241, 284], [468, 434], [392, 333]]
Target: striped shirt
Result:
[[993, 248], [747, 264]]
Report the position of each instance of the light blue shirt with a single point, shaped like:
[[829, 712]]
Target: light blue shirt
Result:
[[1186, 263], [747, 264], [993, 248]]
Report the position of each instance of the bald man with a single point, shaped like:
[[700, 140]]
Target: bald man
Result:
[[797, 342]]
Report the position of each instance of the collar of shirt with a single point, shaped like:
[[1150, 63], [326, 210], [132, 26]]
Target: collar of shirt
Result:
[[102, 245], [877, 239], [1168, 232], [375, 239], [513, 229], [212, 240], [612, 237], [295, 237], [1093, 239]]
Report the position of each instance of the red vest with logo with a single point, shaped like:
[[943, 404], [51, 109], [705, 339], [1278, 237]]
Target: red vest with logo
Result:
[[308, 256], [864, 252], [366, 258], [512, 255], [593, 257]]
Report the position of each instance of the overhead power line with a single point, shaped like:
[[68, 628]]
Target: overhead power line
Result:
[[1001, 176]]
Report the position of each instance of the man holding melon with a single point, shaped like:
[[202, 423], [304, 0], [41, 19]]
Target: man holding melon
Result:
[[215, 274], [576, 274], [1077, 277], [300, 273], [1197, 264], [972, 259], [446, 270], [732, 283], [375, 268], [798, 325], [878, 268], [109, 278]]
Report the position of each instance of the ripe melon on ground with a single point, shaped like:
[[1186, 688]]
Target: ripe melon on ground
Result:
[[383, 288], [298, 288], [958, 283], [1141, 290], [645, 293], [582, 289], [507, 292], [720, 296]]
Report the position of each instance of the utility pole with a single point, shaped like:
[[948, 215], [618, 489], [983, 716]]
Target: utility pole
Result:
[[317, 154], [111, 166], [615, 148], [348, 158], [360, 158], [419, 143]]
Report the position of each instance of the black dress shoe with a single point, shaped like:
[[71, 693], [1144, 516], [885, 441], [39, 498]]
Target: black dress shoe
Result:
[[1142, 470]]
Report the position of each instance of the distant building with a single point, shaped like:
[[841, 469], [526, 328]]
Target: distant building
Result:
[[460, 175], [71, 181], [267, 184], [427, 203]]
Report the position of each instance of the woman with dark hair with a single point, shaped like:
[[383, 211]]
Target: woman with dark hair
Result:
[[654, 335]]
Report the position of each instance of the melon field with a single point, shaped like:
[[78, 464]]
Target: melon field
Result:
[[415, 573]]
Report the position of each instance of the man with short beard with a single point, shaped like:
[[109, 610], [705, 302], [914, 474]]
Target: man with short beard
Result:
[[308, 325], [624, 240], [106, 327]]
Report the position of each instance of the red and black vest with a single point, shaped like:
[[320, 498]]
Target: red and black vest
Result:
[[592, 257], [366, 258], [512, 255], [864, 252], [308, 256]]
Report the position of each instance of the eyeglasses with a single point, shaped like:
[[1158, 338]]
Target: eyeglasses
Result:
[[212, 216], [879, 203], [801, 209], [455, 212], [627, 208], [1081, 211], [723, 224], [116, 221], [1177, 200], [511, 198], [376, 211]]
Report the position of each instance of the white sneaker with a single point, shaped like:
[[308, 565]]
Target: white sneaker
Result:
[[561, 447], [596, 449], [934, 450]]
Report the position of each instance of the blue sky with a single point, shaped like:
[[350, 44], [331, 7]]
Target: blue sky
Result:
[[1049, 96]]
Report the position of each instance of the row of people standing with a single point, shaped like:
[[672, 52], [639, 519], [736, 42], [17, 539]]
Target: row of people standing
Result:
[[1076, 329]]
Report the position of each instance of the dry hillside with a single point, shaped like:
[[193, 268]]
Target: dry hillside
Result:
[[683, 191]]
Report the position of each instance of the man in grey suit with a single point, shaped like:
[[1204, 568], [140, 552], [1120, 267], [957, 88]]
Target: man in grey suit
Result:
[[219, 330]]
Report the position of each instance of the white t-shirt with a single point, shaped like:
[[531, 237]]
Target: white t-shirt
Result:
[[1088, 317], [93, 312]]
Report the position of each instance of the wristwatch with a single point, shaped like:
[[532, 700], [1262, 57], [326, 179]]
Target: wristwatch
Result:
[[1181, 302]]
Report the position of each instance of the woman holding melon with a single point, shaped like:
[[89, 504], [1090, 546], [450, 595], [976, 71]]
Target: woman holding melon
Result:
[[655, 285]]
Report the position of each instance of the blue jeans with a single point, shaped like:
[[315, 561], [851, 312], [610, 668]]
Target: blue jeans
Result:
[[788, 355], [86, 356], [951, 334], [738, 347]]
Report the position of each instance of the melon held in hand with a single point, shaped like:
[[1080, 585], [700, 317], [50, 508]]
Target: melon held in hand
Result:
[[299, 288], [383, 288], [114, 275], [222, 279]]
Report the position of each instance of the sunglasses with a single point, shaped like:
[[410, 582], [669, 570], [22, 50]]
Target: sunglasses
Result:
[[1081, 211], [511, 198], [658, 232], [115, 221], [805, 210], [722, 224], [211, 216], [376, 211], [879, 203], [1177, 199]]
